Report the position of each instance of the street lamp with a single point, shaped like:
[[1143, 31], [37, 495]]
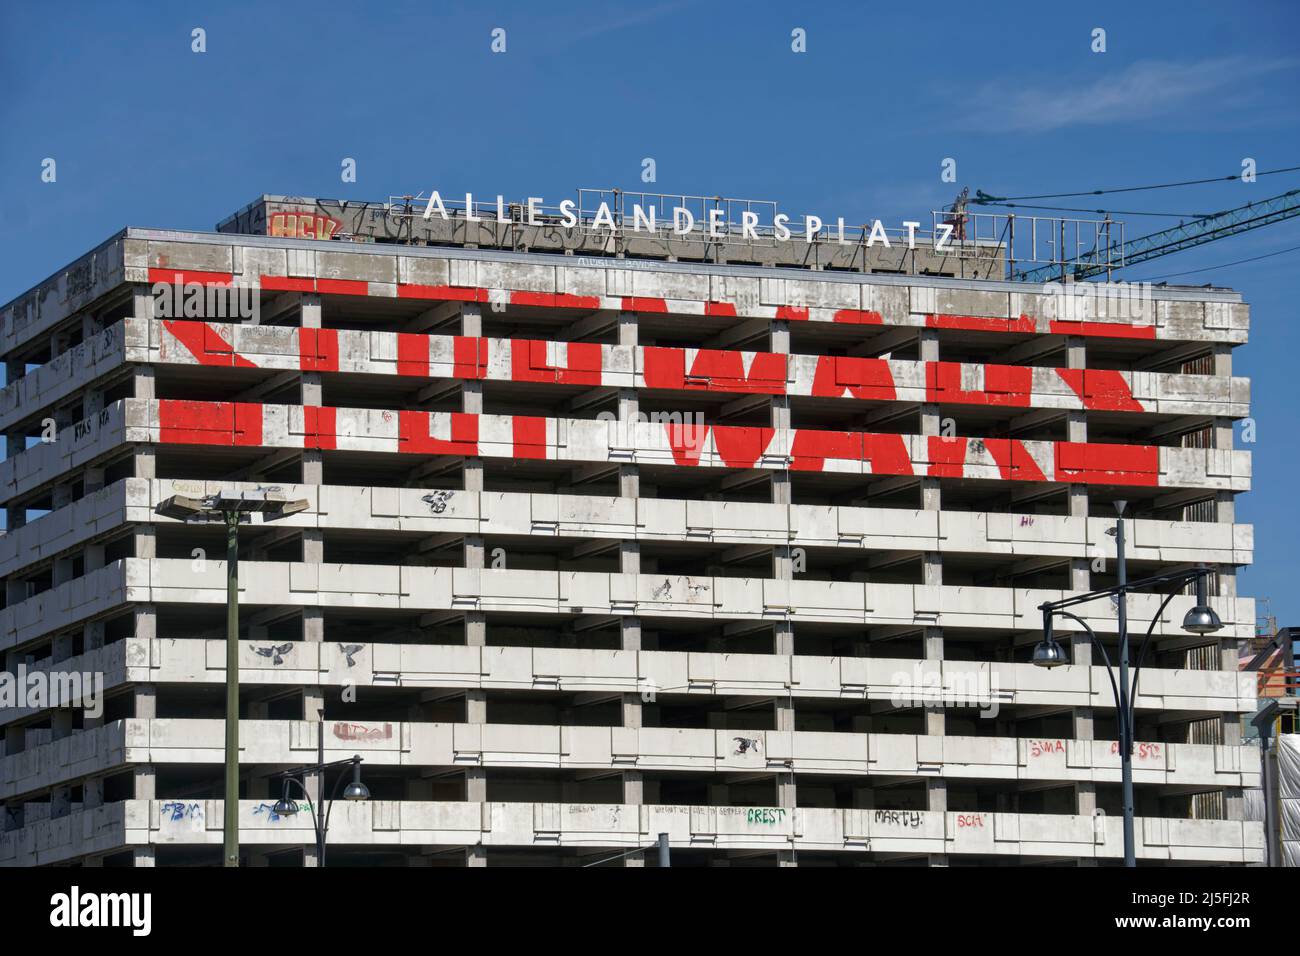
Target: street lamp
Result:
[[320, 819], [230, 506], [1201, 619]]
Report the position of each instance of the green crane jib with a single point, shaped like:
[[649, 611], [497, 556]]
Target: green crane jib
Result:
[[1183, 236]]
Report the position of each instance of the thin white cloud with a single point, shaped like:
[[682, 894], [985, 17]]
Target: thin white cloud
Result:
[[600, 27], [1144, 90]]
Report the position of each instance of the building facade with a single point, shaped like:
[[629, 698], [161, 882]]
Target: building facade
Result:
[[740, 544]]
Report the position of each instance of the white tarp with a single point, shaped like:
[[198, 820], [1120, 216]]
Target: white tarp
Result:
[[1288, 776]]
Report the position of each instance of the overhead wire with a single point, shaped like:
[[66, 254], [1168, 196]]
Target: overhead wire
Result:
[[983, 198], [1105, 212], [1222, 265]]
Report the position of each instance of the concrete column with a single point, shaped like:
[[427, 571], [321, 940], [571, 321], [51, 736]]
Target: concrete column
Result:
[[60, 496], [15, 591], [145, 780], [313, 552], [92, 638], [93, 481], [782, 569], [475, 556], [313, 705], [62, 647], [144, 542], [312, 388], [142, 301], [144, 617], [91, 324], [143, 462], [932, 576], [313, 468], [143, 456], [936, 791], [92, 402], [629, 562], [142, 381], [471, 326], [58, 343], [146, 701], [92, 558], [1080, 575], [15, 741], [15, 515], [60, 723], [1076, 427], [779, 342], [1225, 512]]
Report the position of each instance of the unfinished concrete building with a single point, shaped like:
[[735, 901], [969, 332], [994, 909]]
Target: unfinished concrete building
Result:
[[741, 543]]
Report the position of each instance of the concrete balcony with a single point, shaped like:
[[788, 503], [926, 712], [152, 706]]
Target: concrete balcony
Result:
[[886, 834], [583, 285], [687, 597], [549, 516], [594, 441], [217, 344], [448, 746], [693, 674]]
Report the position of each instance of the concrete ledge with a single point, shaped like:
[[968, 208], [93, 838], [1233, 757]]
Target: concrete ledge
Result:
[[955, 684], [448, 746], [413, 824], [455, 512], [196, 424], [136, 255], [217, 344], [695, 597]]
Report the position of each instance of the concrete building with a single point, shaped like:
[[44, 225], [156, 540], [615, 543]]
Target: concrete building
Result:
[[743, 543]]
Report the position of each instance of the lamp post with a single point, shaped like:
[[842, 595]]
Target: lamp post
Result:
[[1201, 619], [320, 818], [229, 507]]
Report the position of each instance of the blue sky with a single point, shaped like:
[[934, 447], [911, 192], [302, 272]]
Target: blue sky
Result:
[[147, 133]]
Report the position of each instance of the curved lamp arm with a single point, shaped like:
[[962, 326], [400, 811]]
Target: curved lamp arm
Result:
[[334, 795], [1142, 651], [315, 824], [1114, 687]]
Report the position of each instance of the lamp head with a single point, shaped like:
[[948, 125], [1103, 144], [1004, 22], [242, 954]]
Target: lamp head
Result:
[[1047, 652], [356, 790], [1201, 619]]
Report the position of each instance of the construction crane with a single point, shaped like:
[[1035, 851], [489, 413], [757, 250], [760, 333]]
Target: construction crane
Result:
[[1221, 225]]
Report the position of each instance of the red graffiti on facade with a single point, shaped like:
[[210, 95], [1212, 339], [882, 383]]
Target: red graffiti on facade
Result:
[[302, 225]]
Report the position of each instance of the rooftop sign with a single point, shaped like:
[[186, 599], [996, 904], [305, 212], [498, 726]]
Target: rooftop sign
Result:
[[701, 218]]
